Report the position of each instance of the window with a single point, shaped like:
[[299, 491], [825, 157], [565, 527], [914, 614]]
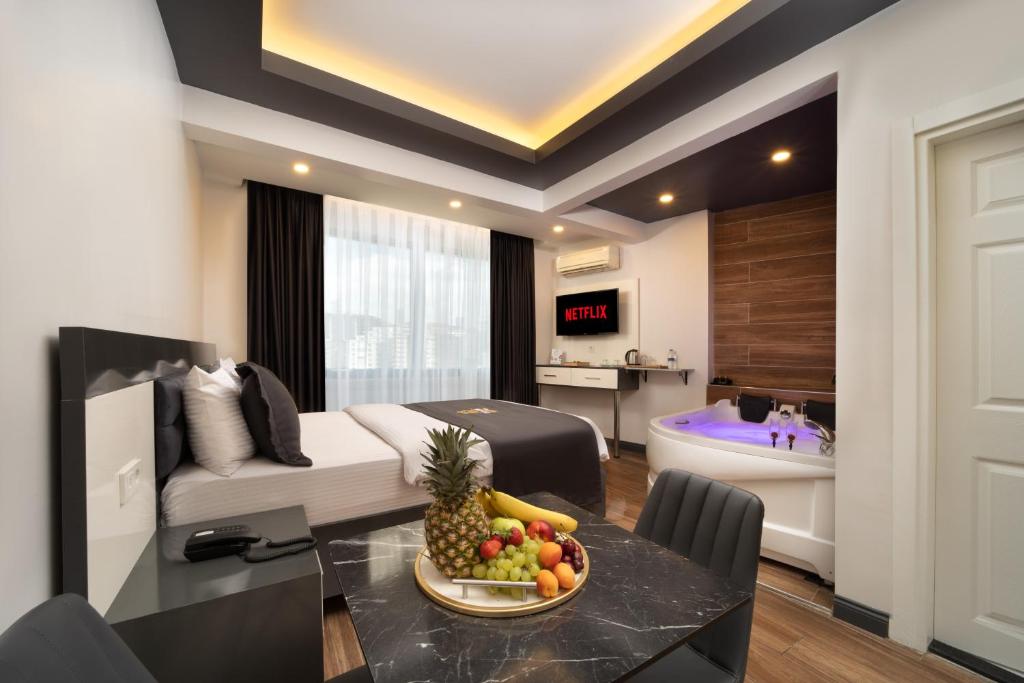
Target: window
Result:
[[407, 306]]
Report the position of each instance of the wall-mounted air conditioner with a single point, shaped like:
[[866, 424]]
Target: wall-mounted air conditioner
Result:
[[588, 261]]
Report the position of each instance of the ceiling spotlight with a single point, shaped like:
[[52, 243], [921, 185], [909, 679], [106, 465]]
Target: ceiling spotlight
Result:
[[781, 155], [558, 228], [455, 204], [300, 168], [666, 198]]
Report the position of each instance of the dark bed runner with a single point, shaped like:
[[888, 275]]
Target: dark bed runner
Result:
[[533, 449]]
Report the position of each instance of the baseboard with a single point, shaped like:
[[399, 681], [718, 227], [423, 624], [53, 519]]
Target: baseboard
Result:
[[861, 616], [974, 663], [630, 446]]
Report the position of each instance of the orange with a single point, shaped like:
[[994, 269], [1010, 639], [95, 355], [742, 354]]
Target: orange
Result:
[[547, 584], [565, 575], [549, 555]]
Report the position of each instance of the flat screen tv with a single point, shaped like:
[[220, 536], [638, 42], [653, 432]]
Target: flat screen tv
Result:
[[587, 313]]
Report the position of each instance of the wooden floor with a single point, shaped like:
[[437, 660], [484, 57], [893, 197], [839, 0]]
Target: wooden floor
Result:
[[794, 638]]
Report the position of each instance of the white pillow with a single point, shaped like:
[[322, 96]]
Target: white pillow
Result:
[[217, 432], [232, 369]]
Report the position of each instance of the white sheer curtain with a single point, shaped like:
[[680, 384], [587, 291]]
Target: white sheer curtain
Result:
[[407, 306]]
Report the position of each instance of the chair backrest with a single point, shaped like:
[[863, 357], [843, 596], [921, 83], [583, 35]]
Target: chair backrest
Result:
[[64, 640], [719, 527]]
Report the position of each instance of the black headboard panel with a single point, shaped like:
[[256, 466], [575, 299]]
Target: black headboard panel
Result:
[[92, 363]]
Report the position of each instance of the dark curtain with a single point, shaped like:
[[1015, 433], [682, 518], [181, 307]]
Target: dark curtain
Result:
[[513, 325], [286, 289]]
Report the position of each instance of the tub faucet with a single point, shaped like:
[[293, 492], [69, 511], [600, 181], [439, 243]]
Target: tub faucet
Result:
[[826, 436]]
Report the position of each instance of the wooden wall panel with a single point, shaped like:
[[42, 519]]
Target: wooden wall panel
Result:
[[773, 287]]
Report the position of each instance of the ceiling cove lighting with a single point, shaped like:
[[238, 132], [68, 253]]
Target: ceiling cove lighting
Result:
[[300, 168], [781, 156], [666, 198], [455, 204], [282, 37], [558, 228]]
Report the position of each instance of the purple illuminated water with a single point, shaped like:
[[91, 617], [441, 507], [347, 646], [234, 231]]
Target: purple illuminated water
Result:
[[705, 424]]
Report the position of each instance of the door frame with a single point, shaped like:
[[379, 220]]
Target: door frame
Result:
[[914, 371]]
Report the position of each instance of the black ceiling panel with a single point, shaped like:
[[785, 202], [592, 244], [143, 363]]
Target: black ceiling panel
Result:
[[739, 171]]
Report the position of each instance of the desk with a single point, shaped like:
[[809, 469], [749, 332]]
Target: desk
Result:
[[614, 379], [641, 602], [225, 619]]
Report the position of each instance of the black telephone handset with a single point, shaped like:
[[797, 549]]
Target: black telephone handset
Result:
[[207, 544]]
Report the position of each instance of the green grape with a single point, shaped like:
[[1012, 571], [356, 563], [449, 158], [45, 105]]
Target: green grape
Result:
[[534, 570], [531, 558], [506, 564], [493, 590], [492, 562], [516, 593], [501, 575], [479, 571], [514, 574], [526, 578], [506, 591], [518, 560], [491, 571], [501, 554], [531, 547]]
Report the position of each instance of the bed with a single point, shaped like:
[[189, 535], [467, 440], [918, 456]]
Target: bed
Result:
[[356, 473], [115, 427]]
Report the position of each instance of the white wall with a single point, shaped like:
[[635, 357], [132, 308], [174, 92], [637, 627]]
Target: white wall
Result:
[[672, 267], [99, 203], [912, 57], [224, 235]]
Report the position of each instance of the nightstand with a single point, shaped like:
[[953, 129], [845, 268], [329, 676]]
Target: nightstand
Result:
[[225, 619]]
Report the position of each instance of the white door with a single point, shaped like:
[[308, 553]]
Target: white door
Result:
[[979, 503]]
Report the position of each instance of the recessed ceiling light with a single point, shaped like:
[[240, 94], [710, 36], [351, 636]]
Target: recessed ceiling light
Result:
[[781, 155], [300, 168], [558, 228], [455, 204], [666, 198]]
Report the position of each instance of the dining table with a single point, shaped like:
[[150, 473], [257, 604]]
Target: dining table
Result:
[[640, 602]]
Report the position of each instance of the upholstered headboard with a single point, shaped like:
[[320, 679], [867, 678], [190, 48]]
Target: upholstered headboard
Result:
[[108, 467]]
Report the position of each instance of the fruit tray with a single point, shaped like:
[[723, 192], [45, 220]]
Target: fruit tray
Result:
[[470, 596]]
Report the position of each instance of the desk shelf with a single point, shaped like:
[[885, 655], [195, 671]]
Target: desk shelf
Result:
[[682, 372]]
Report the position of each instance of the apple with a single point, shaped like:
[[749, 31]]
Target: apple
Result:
[[503, 525], [540, 530], [489, 549]]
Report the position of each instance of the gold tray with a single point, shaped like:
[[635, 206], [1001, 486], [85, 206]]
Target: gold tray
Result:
[[441, 590]]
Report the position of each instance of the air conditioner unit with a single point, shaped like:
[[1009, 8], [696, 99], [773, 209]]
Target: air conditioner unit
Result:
[[588, 261]]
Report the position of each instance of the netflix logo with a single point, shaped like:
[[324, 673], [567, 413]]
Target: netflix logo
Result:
[[586, 313]]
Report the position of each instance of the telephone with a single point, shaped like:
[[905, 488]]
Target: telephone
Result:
[[238, 539], [207, 544]]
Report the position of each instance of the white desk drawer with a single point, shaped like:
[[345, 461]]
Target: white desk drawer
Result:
[[599, 378], [553, 376]]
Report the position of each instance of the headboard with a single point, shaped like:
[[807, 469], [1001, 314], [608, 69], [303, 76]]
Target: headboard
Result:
[[108, 506]]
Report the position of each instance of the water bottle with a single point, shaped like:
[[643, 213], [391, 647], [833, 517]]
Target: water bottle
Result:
[[672, 360]]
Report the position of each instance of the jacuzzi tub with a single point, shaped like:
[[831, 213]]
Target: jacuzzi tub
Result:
[[797, 487]]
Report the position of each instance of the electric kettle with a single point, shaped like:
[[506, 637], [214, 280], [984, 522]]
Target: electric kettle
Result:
[[633, 357]]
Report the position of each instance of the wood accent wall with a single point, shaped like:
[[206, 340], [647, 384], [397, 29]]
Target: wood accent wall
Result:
[[773, 289]]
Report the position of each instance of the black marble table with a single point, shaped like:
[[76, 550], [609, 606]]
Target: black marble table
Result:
[[640, 602]]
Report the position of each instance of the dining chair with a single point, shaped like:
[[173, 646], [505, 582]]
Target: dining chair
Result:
[[717, 526], [64, 640]]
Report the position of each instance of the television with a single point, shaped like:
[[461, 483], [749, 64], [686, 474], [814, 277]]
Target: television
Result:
[[594, 312]]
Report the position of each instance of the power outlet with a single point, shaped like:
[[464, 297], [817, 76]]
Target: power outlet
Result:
[[128, 478]]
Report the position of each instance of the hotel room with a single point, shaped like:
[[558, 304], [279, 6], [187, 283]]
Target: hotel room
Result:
[[452, 341]]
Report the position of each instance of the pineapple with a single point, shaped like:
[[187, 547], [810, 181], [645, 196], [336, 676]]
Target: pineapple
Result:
[[455, 522]]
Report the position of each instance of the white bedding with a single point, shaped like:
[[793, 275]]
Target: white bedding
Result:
[[360, 467]]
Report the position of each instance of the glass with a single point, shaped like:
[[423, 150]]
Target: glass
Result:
[[773, 430], [791, 433]]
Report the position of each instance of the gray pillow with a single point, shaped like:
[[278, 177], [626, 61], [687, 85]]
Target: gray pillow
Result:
[[171, 442], [271, 415]]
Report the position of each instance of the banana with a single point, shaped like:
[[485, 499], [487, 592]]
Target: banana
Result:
[[509, 506], [484, 499]]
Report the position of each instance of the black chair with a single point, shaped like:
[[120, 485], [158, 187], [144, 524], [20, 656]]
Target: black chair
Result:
[[64, 640], [719, 527]]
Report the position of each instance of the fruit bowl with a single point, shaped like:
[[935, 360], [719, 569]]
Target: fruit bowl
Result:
[[471, 596]]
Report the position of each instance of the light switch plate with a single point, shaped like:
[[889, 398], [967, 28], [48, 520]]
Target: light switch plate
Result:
[[128, 478]]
